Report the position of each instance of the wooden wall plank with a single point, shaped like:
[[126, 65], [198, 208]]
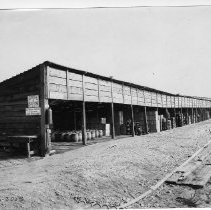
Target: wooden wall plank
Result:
[[75, 97], [75, 90], [121, 93], [154, 99], [164, 104], [56, 73], [134, 93], [176, 102], [141, 100], [57, 88], [58, 95], [13, 102], [57, 80], [75, 77]]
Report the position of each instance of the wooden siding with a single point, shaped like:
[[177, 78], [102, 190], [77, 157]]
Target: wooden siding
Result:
[[13, 103], [159, 100], [141, 99], [67, 85]]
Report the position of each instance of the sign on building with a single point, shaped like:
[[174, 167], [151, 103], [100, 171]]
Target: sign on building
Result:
[[33, 111], [33, 106], [33, 101]]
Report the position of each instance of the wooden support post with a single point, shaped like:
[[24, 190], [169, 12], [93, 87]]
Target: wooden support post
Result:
[[210, 112], [132, 118], [187, 117], [145, 115], [112, 123], [132, 114], [196, 115], [192, 115], [175, 112], [45, 140], [84, 136], [202, 114], [182, 117], [112, 113], [199, 114], [146, 120], [67, 85], [28, 149]]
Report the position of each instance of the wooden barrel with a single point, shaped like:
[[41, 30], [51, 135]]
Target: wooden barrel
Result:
[[74, 137], [100, 133], [63, 136], [97, 133], [88, 135], [92, 134], [79, 136], [57, 135], [68, 136]]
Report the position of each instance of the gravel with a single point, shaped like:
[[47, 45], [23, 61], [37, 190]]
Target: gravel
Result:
[[101, 175]]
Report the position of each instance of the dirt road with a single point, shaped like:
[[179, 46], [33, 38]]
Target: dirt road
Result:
[[105, 174]]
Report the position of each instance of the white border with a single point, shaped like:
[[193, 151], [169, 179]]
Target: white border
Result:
[[37, 4]]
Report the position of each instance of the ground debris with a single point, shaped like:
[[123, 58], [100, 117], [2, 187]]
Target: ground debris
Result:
[[98, 177]]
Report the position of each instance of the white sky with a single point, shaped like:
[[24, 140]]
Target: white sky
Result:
[[166, 48]]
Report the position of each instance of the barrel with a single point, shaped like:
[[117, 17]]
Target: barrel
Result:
[[100, 133], [79, 136], [88, 135], [97, 133], [74, 137], [68, 136], [92, 134], [63, 136], [57, 135]]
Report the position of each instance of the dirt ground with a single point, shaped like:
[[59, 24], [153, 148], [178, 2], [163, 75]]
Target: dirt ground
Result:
[[106, 174]]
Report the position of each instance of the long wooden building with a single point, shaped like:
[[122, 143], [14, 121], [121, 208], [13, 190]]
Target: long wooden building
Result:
[[52, 97]]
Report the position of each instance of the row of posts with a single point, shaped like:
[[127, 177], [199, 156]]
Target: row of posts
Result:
[[84, 137]]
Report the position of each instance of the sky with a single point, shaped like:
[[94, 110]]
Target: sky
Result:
[[166, 48]]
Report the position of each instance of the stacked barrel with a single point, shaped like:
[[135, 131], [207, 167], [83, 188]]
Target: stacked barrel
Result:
[[75, 136]]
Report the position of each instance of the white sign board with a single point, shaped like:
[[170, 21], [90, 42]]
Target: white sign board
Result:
[[33, 101], [33, 111]]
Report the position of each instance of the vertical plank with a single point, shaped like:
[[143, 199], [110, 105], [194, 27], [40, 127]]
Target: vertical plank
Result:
[[123, 95], [44, 141], [112, 113], [84, 136], [137, 94], [145, 116], [68, 85], [196, 114], [182, 116], [47, 126], [162, 100], [28, 149], [98, 87], [192, 112], [132, 114], [47, 82], [157, 100], [175, 107]]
